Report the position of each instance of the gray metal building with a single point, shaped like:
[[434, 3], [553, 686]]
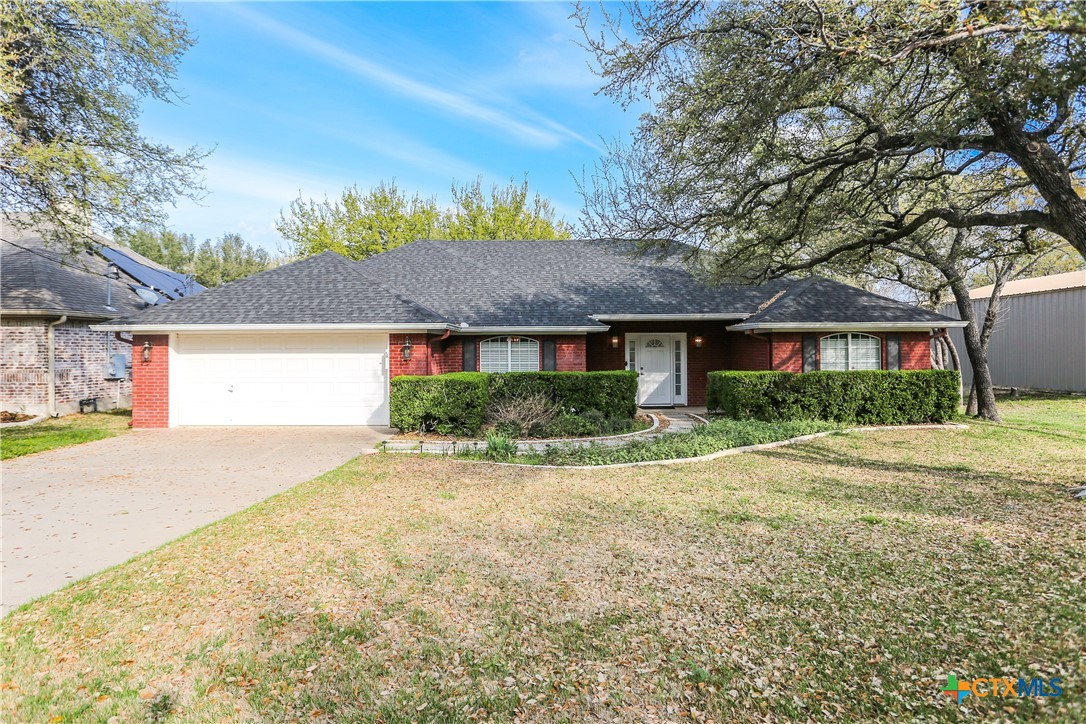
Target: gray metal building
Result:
[[1040, 337]]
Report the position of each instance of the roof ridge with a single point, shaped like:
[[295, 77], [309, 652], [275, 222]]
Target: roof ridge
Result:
[[788, 292], [353, 266], [534, 295]]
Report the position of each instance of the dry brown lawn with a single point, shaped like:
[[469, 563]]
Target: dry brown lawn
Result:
[[844, 578]]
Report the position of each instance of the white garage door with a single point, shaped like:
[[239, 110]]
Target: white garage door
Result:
[[280, 379]]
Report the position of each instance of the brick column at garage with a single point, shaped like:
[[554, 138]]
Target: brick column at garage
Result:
[[419, 364], [151, 381]]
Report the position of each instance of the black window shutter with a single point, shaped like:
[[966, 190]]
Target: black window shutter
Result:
[[893, 352], [810, 352], [468, 346], [550, 356]]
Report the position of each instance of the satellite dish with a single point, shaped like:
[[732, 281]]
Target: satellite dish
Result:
[[148, 295]]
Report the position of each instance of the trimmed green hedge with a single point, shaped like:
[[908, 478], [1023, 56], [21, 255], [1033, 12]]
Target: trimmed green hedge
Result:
[[864, 397], [456, 403], [450, 404]]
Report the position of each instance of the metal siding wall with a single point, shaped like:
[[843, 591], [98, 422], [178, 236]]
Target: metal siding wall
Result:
[[1039, 341]]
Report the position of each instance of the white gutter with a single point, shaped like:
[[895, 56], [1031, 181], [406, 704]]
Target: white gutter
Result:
[[529, 330], [166, 328], [50, 344], [668, 317], [845, 326]]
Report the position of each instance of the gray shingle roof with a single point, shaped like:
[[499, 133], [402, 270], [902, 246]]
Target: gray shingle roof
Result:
[[36, 277], [323, 289], [519, 284], [822, 301], [551, 283]]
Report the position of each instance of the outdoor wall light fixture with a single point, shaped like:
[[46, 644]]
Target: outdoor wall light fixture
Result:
[[698, 342], [405, 351], [614, 342], [147, 351]]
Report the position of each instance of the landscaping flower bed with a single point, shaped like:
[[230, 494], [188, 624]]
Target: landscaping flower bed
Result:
[[705, 439]]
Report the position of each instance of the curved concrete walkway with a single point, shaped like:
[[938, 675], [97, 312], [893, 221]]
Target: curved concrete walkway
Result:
[[71, 512]]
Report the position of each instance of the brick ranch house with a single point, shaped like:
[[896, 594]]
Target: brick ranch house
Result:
[[317, 341], [50, 358]]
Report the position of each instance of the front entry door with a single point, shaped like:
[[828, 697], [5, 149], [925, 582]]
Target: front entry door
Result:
[[654, 383]]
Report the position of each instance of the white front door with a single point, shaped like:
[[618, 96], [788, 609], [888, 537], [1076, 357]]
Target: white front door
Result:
[[280, 379], [655, 367]]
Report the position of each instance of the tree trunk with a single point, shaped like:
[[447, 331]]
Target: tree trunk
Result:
[[978, 357], [956, 360]]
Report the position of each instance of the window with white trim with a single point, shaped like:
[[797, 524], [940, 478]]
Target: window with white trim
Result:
[[509, 354], [850, 351]]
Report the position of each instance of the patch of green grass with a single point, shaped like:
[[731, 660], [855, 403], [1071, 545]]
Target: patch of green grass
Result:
[[837, 579], [62, 432], [705, 439]]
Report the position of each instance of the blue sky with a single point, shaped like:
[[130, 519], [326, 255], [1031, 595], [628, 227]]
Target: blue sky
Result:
[[307, 98]]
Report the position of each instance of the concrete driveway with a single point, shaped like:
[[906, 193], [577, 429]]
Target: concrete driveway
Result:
[[71, 512]]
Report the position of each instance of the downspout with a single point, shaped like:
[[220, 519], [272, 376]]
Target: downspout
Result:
[[50, 343], [430, 350]]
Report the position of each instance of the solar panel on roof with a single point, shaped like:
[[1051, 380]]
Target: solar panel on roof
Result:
[[168, 283]]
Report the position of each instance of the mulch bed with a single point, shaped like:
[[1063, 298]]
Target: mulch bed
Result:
[[6, 416]]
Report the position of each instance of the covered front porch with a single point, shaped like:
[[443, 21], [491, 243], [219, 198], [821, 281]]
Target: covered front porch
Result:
[[674, 358]]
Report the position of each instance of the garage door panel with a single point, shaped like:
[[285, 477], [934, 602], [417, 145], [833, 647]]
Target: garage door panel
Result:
[[284, 379]]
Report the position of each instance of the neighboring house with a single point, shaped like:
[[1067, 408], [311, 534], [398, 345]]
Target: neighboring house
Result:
[[50, 358], [316, 342], [1039, 341]]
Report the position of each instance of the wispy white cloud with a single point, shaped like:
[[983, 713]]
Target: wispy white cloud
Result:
[[534, 130]]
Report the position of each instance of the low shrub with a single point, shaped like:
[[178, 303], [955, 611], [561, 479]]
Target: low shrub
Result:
[[458, 403], [514, 415], [500, 447], [861, 397], [702, 440]]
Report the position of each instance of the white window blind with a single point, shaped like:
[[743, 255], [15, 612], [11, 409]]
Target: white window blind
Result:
[[850, 352], [509, 354]]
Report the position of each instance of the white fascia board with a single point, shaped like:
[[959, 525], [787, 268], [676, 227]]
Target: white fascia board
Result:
[[528, 330], [668, 317], [167, 328], [845, 327]]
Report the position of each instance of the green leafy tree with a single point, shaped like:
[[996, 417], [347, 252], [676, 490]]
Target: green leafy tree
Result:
[[507, 212], [168, 248], [211, 263], [75, 73], [229, 258], [360, 224], [785, 135]]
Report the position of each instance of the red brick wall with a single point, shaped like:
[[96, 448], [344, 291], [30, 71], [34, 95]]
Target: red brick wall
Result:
[[746, 352], [787, 352], [151, 382], [419, 364], [80, 360], [446, 355], [570, 354], [915, 351]]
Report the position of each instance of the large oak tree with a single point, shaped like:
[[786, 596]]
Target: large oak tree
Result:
[[74, 75], [784, 135]]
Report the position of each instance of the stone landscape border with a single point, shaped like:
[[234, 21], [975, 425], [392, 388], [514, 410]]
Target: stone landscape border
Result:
[[727, 451], [527, 445]]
